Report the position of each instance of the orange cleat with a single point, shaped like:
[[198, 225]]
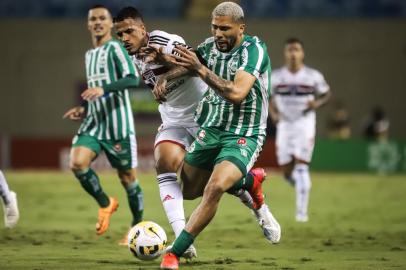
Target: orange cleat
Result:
[[104, 216], [256, 193], [170, 262]]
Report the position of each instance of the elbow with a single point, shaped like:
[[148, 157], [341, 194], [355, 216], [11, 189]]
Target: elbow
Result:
[[236, 99]]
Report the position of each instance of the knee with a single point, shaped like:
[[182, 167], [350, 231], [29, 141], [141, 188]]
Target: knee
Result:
[[126, 177], [78, 164], [164, 166], [214, 190]]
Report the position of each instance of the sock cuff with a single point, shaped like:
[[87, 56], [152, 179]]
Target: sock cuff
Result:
[[83, 172], [133, 187], [301, 167], [182, 242], [167, 177]]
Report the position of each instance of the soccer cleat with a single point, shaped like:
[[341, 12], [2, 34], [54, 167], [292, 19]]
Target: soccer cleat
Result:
[[189, 254], [11, 213], [302, 218], [104, 216], [256, 193], [268, 223], [170, 261], [124, 241]]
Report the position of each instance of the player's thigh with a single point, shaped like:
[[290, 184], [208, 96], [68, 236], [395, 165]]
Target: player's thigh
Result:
[[122, 154], [224, 176], [84, 150], [284, 145], [241, 151], [170, 145], [304, 145], [194, 181]]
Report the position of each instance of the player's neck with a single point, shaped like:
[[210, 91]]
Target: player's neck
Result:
[[294, 68], [100, 41]]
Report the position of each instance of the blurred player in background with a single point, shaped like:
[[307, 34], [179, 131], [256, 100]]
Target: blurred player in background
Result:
[[232, 118], [298, 91], [10, 207], [107, 120]]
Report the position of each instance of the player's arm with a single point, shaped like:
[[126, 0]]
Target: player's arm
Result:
[[128, 75], [234, 91], [159, 90], [323, 93], [273, 111]]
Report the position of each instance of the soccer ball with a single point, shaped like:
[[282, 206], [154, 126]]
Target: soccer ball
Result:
[[147, 240]]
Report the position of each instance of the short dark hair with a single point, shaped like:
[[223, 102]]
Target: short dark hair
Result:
[[98, 6], [292, 40], [128, 13]]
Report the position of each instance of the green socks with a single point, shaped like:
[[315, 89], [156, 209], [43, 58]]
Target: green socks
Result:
[[182, 242], [90, 182], [135, 201], [244, 183]]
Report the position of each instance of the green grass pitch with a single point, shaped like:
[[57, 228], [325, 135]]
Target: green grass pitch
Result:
[[357, 221]]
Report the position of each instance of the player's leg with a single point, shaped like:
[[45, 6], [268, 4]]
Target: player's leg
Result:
[[224, 176], [301, 175], [10, 206], [84, 150], [122, 156], [284, 151], [134, 192]]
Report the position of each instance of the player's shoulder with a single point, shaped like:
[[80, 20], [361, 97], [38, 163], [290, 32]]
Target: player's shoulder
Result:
[[207, 42], [253, 42], [312, 72], [159, 36], [279, 71]]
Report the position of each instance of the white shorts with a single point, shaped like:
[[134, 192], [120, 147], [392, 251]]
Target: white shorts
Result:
[[182, 136], [294, 141]]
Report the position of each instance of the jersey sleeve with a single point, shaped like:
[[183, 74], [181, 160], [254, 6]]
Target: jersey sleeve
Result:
[[122, 61], [320, 84], [253, 58], [159, 38]]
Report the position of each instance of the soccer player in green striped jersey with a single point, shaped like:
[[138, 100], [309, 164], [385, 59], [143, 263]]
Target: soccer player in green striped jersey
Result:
[[232, 116], [107, 120]]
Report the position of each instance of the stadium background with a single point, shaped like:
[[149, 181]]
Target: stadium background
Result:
[[360, 46]]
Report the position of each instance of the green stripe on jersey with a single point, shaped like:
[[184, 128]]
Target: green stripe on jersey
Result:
[[249, 117], [108, 117]]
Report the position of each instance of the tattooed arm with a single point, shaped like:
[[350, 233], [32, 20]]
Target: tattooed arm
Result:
[[159, 90], [234, 91]]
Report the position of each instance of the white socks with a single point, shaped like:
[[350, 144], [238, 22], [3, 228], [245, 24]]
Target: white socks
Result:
[[172, 201], [302, 185], [245, 198], [4, 190]]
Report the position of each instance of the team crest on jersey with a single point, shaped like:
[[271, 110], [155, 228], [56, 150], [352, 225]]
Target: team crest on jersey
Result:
[[102, 58], [242, 142], [201, 134], [191, 148], [233, 65]]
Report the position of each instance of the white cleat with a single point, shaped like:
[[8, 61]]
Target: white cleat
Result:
[[269, 225], [302, 218], [189, 254], [11, 213]]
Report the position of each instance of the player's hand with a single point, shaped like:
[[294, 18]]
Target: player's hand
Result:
[[187, 58], [75, 114], [92, 93], [311, 106], [153, 54], [159, 90]]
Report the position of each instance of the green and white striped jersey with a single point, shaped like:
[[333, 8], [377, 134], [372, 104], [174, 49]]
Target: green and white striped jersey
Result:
[[110, 116], [249, 117]]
